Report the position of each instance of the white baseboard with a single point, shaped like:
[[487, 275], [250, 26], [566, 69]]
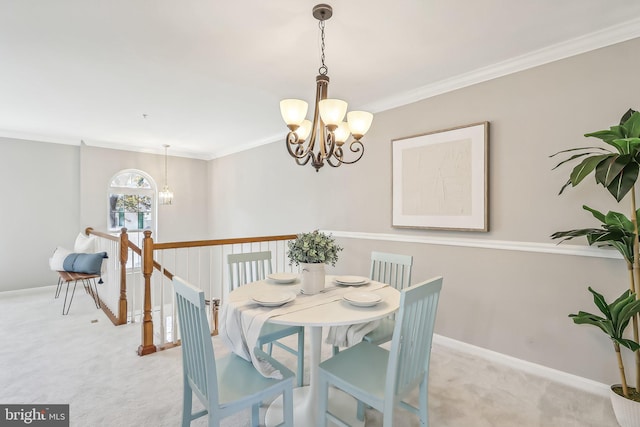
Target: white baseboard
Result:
[[551, 374]]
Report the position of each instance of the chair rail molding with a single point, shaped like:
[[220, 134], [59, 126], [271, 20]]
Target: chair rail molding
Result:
[[507, 245]]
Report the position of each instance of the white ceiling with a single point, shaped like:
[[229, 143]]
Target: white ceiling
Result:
[[209, 74]]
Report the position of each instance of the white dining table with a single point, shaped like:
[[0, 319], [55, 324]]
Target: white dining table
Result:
[[335, 313]]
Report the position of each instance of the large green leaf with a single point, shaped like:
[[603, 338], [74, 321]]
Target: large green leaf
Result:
[[577, 156], [616, 307], [624, 181], [609, 169], [627, 145], [629, 307], [597, 214], [600, 302], [583, 318], [619, 221], [588, 165], [615, 132], [632, 126], [630, 344]]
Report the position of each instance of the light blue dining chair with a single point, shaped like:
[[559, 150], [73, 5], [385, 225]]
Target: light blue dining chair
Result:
[[226, 385], [394, 270], [253, 266], [381, 378]]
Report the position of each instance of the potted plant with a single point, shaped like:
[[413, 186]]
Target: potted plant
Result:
[[616, 168], [614, 323], [312, 251]]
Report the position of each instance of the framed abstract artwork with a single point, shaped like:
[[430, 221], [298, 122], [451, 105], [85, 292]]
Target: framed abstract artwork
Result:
[[440, 179]]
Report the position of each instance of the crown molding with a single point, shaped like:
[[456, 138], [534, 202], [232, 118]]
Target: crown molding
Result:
[[596, 40]]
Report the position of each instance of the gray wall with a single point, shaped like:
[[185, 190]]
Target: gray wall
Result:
[[51, 192], [185, 219], [40, 190], [511, 301]]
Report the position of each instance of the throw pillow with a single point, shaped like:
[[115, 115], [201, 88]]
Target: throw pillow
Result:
[[56, 262], [84, 263], [84, 244]]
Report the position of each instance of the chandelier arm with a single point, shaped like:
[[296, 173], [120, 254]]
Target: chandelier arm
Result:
[[298, 152], [305, 161], [355, 147]]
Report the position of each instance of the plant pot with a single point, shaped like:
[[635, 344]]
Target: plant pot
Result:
[[627, 411], [312, 278]]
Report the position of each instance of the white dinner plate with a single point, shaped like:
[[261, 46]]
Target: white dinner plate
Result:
[[362, 299], [274, 299], [283, 277], [351, 280]]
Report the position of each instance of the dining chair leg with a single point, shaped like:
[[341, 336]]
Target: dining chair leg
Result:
[[336, 350], [186, 405], [300, 371], [424, 414], [255, 415], [360, 413], [269, 348]]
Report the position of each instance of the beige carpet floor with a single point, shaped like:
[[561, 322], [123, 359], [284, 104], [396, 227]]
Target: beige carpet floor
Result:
[[83, 360]]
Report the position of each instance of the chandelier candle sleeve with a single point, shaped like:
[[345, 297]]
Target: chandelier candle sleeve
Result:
[[322, 138]]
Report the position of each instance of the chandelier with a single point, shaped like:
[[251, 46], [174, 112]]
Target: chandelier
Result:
[[166, 195], [328, 128]]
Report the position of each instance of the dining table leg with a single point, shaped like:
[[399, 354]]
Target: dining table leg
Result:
[[305, 399]]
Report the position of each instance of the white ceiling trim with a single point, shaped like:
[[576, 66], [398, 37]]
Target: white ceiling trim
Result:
[[599, 39]]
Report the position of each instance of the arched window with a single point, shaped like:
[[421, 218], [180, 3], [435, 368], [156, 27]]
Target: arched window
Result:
[[132, 203]]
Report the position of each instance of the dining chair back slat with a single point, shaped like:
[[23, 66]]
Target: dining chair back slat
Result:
[[248, 267], [392, 269], [239, 386]]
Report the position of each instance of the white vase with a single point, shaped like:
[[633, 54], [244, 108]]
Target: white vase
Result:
[[627, 411], [312, 278]]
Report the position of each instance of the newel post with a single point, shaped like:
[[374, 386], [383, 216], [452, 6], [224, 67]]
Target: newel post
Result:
[[124, 258], [147, 346]]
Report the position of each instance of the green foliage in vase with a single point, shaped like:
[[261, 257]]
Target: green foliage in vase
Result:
[[314, 247]]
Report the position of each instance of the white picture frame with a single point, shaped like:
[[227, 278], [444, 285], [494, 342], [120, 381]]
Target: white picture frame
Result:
[[440, 179]]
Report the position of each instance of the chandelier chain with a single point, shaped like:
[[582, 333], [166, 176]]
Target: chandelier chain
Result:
[[323, 70]]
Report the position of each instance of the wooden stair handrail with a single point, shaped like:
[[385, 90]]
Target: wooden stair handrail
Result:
[[219, 242], [149, 264]]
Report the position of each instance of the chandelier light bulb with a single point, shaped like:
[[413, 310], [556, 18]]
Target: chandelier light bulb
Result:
[[342, 133], [332, 111], [293, 111], [303, 131], [359, 123]]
